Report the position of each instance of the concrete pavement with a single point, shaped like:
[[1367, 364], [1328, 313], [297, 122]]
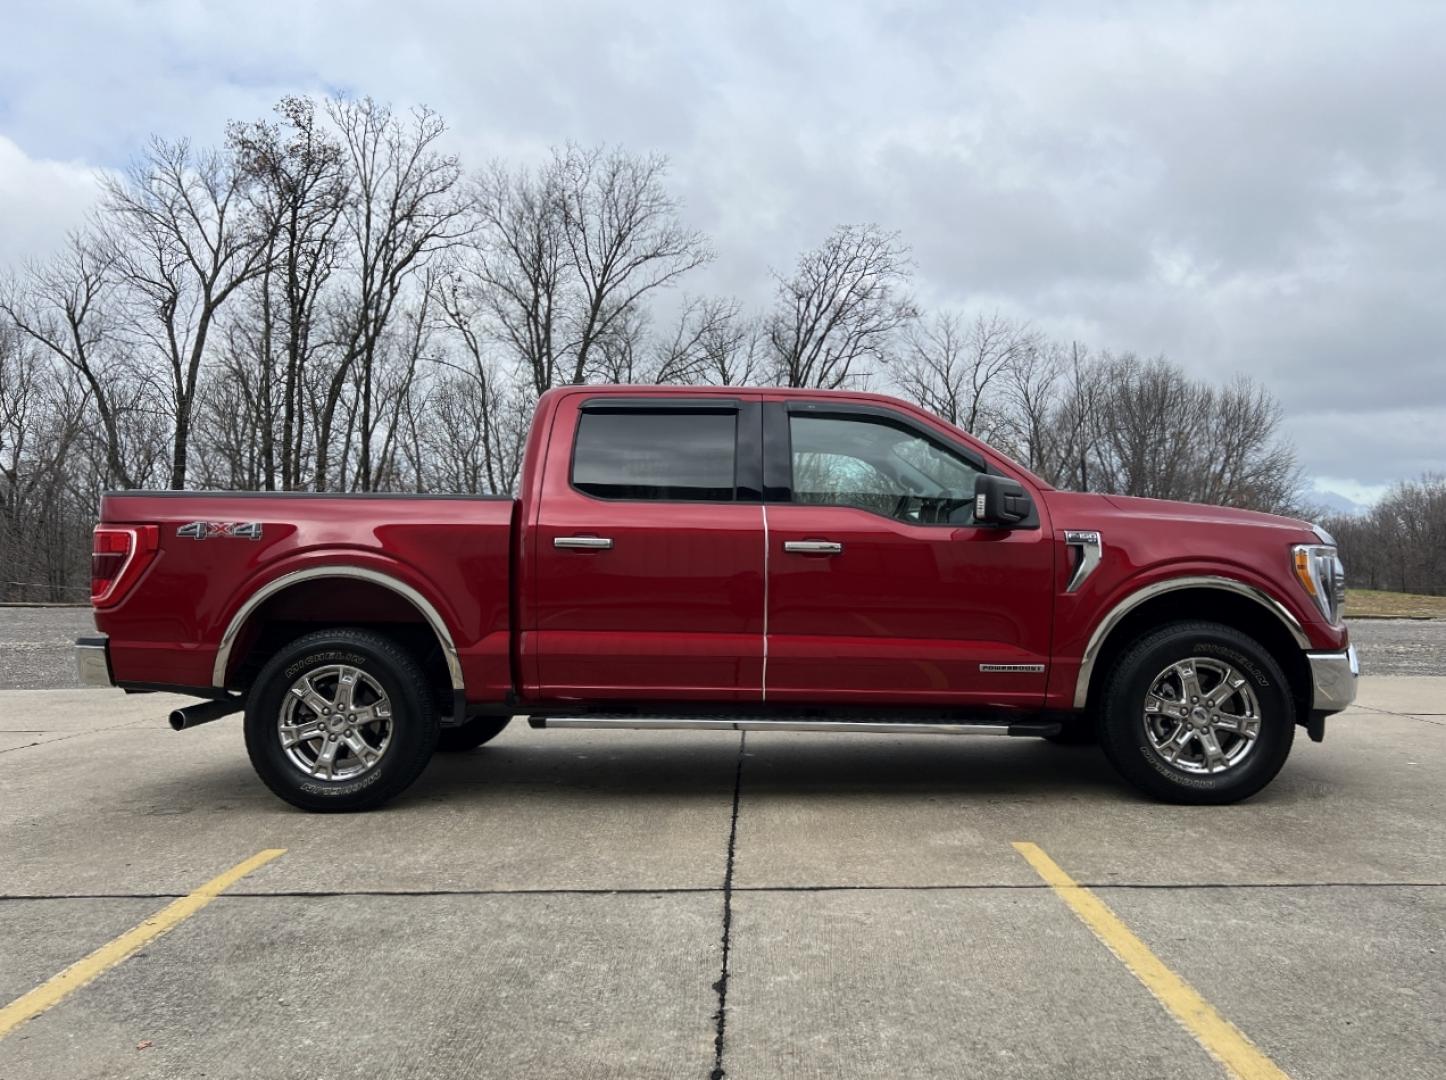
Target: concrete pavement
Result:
[[554, 905]]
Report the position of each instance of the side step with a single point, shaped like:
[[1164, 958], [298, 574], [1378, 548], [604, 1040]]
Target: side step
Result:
[[900, 726]]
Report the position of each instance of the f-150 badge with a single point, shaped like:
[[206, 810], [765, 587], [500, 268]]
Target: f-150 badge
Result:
[[211, 530]]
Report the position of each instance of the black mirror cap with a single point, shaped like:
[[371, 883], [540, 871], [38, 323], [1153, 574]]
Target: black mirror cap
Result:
[[998, 500]]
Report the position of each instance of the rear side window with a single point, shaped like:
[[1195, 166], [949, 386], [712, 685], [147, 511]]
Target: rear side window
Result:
[[653, 454]]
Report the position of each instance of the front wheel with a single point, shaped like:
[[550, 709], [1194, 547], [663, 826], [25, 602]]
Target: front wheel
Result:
[[340, 720], [1197, 712]]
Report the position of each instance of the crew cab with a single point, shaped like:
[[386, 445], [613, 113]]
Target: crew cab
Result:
[[734, 558]]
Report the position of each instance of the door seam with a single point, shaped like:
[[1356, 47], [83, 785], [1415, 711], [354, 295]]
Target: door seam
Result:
[[763, 681]]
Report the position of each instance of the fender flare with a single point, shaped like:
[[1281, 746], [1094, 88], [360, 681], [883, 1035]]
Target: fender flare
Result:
[[1117, 613], [424, 608]]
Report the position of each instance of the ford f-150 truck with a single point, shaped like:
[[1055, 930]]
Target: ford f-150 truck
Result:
[[726, 558]]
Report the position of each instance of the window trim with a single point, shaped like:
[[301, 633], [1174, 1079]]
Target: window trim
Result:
[[747, 442], [778, 455]]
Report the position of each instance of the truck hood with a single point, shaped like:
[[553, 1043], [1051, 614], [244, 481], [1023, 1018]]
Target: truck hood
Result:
[[1125, 506]]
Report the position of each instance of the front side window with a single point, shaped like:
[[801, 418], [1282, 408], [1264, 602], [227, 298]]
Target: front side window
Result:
[[654, 454], [885, 468]]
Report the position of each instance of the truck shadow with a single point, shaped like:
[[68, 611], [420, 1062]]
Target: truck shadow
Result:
[[779, 765]]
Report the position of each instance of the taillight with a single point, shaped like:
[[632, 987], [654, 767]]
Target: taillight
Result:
[[118, 555]]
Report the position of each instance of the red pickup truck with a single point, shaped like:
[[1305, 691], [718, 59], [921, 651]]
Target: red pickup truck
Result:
[[726, 558]]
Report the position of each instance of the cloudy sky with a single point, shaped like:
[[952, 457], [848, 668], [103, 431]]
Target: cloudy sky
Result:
[[1251, 187]]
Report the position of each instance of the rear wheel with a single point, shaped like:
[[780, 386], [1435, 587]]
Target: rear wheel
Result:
[[472, 734], [340, 720], [1197, 713]]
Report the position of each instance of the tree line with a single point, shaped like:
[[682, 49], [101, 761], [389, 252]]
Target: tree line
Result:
[[1400, 543], [328, 300]]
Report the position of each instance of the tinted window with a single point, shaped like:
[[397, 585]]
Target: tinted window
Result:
[[885, 468], [650, 454]]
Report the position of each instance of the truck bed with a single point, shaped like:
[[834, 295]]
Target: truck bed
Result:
[[220, 556]]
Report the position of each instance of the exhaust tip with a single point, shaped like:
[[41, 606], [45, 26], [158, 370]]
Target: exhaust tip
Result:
[[203, 713]]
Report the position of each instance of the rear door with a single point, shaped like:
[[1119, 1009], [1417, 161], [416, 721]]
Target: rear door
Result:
[[649, 551], [882, 587]]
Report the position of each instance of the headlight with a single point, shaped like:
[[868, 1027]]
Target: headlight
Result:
[[1320, 573]]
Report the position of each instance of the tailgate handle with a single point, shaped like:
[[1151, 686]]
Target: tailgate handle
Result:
[[813, 547], [582, 543]]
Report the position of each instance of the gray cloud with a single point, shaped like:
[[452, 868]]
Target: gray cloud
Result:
[[1242, 187]]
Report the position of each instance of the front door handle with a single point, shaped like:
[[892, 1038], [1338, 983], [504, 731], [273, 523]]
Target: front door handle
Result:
[[813, 547], [582, 543]]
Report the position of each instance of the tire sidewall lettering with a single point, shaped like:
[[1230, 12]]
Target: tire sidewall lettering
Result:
[[329, 656], [1234, 658]]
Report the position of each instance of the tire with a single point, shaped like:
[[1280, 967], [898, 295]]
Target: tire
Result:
[[350, 673], [1148, 712], [472, 734]]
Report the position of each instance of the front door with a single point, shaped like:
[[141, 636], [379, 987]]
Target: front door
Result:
[[648, 549], [882, 588]]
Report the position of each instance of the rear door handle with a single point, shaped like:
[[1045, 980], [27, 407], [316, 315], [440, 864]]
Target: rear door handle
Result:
[[582, 543], [813, 547]]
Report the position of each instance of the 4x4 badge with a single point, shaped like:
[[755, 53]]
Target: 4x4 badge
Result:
[[210, 530]]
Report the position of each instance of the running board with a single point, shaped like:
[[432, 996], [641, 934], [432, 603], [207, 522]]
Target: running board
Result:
[[1026, 728]]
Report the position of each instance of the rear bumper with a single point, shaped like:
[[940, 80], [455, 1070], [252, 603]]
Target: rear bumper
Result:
[[92, 661], [1333, 679]]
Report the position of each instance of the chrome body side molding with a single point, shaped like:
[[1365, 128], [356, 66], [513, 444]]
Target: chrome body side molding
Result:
[[355, 573], [1149, 592]]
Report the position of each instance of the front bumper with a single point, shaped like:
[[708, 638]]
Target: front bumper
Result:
[[92, 661], [1333, 679]]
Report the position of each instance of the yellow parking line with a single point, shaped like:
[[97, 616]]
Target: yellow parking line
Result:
[[58, 988], [1221, 1039]]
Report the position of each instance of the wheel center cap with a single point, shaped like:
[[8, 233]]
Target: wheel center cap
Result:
[[336, 723], [1199, 717]]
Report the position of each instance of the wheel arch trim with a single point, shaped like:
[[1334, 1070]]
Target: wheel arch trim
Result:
[[425, 608], [1117, 614]]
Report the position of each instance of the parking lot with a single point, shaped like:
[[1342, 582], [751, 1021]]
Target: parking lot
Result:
[[566, 904]]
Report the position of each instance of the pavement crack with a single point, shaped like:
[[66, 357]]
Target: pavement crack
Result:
[[72, 735], [1422, 717], [721, 986]]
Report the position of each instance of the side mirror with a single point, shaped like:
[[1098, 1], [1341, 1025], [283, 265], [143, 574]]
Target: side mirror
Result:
[[999, 500]]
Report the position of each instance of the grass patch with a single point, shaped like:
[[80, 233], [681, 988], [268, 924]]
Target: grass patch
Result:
[[1397, 604]]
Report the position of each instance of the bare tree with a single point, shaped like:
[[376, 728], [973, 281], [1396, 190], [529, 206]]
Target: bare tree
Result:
[[405, 208], [514, 283], [300, 186], [465, 302], [67, 306], [712, 342], [624, 240], [1133, 427], [844, 304], [565, 256], [1400, 543], [41, 421], [956, 368], [182, 238], [397, 395]]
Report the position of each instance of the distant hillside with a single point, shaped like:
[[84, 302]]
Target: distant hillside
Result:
[[1334, 503]]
